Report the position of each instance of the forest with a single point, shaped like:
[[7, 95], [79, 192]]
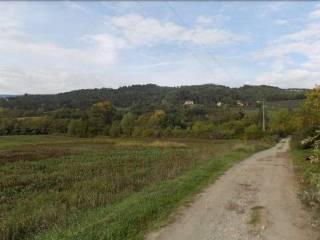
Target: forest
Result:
[[205, 111]]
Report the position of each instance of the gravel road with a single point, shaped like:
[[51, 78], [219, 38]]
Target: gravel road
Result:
[[256, 199]]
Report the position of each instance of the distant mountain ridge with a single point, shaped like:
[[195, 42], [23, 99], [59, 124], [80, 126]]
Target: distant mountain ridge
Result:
[[7, 96], [152, 95]]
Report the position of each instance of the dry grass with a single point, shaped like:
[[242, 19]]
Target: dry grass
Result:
[[47, 183], [44, 184], [167, 144]]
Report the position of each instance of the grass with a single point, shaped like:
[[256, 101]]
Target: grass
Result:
[[309, 179], [308, 176], [55, 187]]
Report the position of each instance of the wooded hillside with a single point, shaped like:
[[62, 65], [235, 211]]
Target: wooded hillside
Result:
[[152, 95]]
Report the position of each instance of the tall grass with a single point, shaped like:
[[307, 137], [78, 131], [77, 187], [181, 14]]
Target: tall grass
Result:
[[48, 185]]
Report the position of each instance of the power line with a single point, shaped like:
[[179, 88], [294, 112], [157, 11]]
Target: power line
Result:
[[211, 57], [202, 63]]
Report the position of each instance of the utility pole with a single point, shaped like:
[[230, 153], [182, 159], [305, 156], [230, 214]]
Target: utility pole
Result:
[[263, 116]]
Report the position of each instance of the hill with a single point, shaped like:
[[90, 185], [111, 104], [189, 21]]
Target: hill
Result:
[[6, 96], [152, 95]]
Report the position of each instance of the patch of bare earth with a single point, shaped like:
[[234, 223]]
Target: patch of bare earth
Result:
[[256, 199]]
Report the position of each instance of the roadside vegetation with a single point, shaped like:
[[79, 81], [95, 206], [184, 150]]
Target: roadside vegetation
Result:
[[101, 188], [306, 152]]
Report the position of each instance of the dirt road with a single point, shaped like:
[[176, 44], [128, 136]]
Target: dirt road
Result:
[[256, 199]]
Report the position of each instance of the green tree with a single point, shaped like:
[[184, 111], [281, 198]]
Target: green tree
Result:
[[311, 108], [156, 119], [100, 114], [202, 129], [127, 123], [253, 132], [115, 130], [285, 122], [78, 128]]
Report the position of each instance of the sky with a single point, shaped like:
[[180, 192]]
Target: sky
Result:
[[58, 46]]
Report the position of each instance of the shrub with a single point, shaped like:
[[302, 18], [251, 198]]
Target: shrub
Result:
[[253, 132]]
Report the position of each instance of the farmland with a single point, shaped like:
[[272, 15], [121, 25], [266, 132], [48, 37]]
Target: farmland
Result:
[[57, 187]]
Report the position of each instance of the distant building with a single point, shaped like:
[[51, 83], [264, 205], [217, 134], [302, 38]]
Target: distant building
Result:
[[188, 103], [240, 104], [219, 104]]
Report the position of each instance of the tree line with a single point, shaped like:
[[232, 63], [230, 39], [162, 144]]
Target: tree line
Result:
[[148, 96], [151, 111]]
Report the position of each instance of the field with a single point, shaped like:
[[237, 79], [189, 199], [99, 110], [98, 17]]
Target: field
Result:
[[56, 187]]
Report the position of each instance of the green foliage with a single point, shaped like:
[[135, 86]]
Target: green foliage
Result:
[[151, 111], [145, 96], [311, 108], [253, 132], [202, 129], [285, 122], [115, 130], [78, 128], [127, 123], [307, 121]]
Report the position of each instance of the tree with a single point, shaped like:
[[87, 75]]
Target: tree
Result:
[[156, 119], [127, 123], [202, 129], [100, 114], [284, 123], [311, 108], [78, 128], [253, 132], [115, 130]]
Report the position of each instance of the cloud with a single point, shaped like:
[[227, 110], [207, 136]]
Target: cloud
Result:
[[140, 31], [316, 13], [10, 24], [46, 81], [305, 42], [17, 42], [77, 6], [281, 22], [290, 78], [100, 50], [31, 64], [272, 8], [215, 20], [275, 6]]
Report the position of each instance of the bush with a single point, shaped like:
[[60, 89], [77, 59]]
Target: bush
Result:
[[253, 132], [78, 128], [115, 130]]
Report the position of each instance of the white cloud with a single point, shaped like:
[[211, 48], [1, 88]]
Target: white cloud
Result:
[[272, 8], [101, 50], [204, 20], [46, 81], [214, 20], [305, 42], [141, 31], [315, 14], [33, 66], [275, 6], [10, 24], [281, 22], [290, 78], [77, 6]]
